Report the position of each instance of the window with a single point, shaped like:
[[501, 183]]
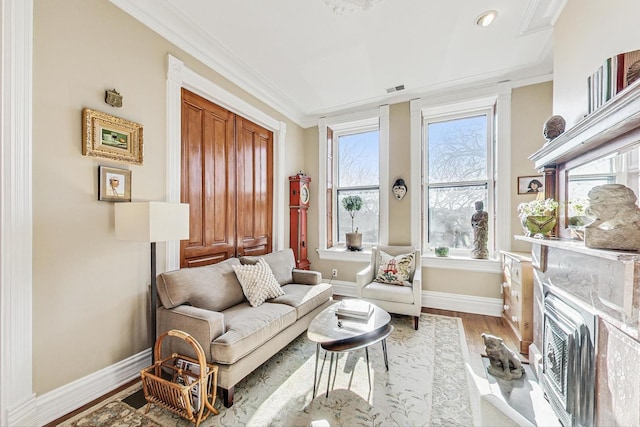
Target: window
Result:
[[353, 155], [357, 173], [458, 172]]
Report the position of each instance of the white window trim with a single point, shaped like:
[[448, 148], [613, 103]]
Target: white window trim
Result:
[[502, 162], [337, 123]]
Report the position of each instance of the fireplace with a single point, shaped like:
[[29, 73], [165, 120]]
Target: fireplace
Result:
[[568, 376]]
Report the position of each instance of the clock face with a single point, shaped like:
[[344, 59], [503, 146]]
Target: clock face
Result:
[[304, 194]]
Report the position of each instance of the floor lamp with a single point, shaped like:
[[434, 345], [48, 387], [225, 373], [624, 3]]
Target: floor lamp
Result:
[[152, 222]]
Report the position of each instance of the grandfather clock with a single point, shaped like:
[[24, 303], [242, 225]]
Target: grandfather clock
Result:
[[298, 205]]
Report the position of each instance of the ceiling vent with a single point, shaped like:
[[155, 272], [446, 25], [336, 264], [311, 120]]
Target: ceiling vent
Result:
[[395, 89]]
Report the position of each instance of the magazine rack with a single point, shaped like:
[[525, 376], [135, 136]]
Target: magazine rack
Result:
[[184, 386]]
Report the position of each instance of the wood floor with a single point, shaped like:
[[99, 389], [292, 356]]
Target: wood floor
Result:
[[474, 326]]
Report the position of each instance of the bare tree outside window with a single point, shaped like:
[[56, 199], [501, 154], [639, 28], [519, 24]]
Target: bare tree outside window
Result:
[[457, 178], [358, 174]]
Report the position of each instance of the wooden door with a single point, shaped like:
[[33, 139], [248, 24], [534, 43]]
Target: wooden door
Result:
[[208, 181], [227, 179], [254, 150]]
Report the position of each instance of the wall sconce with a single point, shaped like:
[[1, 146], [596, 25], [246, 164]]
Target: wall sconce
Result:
[[399, 189]]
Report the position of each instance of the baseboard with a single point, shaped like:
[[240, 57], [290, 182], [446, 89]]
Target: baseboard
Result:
[[65, 399], [438, 300], [463, 303]]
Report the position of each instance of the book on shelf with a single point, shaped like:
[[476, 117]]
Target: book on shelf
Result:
[[355, 309]]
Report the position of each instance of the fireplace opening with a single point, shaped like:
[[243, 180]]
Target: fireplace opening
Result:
[[568, 376]]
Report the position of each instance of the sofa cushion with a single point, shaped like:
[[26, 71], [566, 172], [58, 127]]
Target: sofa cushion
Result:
[[387, 292], [212, 287], [281, 262], [304, 298], [247, 328], [258, 282]]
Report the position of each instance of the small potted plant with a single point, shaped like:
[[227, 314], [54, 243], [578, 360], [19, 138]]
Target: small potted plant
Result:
[[538, 216], [352, 204]]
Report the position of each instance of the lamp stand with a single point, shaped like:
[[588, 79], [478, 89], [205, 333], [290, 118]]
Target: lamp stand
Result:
[[154, 302]]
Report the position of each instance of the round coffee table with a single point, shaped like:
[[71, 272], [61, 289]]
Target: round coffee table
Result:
[[336, 335]]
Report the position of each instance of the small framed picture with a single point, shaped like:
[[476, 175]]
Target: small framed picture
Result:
[[110, 137], [530, 184], [114, 184]]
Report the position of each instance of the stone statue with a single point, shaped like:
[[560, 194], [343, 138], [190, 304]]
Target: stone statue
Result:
[[553, 127], [617, 218], [503, 362], [480, 224]]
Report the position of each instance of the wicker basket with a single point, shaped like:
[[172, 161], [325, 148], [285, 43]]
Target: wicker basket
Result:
[[177, 382]]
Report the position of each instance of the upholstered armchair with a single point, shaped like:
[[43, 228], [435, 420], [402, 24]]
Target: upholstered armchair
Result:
[[376, 285]]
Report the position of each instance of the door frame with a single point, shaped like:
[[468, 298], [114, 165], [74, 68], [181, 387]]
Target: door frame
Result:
[[180, 76]]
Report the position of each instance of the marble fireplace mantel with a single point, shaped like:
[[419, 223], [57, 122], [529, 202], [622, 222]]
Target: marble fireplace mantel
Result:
[[606, 282]]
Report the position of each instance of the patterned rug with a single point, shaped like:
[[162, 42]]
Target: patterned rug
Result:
[[426, 385]]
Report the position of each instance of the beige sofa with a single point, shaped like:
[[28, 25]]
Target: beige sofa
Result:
[[208, 303]]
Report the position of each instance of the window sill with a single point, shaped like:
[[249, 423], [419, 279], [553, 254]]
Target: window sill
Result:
[[453, 262], [341, 253]]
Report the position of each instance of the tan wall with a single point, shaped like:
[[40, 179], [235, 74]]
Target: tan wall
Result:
[[587, 33], [530, 108], [90, 290]]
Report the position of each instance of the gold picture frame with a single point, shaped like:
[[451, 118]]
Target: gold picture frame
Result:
[[114, 184], [111, 137]]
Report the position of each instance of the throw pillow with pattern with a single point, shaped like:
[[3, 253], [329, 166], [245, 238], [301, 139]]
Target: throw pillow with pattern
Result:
[[395, 270], [258, 282]]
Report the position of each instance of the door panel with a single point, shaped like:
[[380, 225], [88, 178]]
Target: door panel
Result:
[[254, 191], [208, 184]]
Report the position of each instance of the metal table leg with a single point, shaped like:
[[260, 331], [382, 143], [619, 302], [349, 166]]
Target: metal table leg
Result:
[[315, 372], [329, 376], [366, 351], [384, 351]]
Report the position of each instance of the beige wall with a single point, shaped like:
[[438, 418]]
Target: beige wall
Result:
[[530, 108], [587, 33], [90, 290]]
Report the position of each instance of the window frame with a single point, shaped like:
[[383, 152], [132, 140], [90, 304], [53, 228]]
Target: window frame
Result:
[[500, 96], [489, 112], [342, 124]]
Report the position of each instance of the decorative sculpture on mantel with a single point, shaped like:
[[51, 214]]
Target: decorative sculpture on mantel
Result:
[[617, 218], [553, 127]]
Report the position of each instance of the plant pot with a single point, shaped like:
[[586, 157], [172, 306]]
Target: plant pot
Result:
[[354, 241], [441, 251], [536, 226]]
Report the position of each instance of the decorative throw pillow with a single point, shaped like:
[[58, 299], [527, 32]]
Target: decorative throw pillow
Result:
[[258, 282], [395, 270]]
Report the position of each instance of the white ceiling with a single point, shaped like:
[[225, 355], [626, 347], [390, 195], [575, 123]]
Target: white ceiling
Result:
[[306, 61]]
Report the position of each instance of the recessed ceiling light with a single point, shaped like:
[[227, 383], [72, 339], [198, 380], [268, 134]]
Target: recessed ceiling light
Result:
[[486, 18]]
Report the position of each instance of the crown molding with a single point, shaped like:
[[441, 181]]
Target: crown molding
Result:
[[178, 29], [540, 15]]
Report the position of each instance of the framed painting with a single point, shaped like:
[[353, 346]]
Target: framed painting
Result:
[[110, 137], [114, 184], [530, 184]]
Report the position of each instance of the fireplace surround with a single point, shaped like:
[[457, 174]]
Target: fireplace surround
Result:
[[595, 295]]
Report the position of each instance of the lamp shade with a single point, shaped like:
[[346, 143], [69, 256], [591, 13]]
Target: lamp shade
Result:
[[152, 221]]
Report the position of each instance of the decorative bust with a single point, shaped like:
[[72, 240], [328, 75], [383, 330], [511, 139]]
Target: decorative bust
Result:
[[480, 224], [617, 218], [553, 127]]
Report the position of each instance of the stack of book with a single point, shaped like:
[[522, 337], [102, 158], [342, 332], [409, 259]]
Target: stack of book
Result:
[[354, 310], [614, 75]]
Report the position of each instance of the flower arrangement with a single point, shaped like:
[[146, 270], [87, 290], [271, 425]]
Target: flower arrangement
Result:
[[538, 207]]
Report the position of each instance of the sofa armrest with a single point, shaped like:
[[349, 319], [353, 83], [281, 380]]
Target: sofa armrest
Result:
[[203, 325], [306, 277]]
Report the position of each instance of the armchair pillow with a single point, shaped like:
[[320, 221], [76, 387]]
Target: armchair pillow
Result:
[[258, 282], [395, 270]]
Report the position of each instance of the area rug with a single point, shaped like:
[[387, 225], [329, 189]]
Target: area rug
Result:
[[426, 385]]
